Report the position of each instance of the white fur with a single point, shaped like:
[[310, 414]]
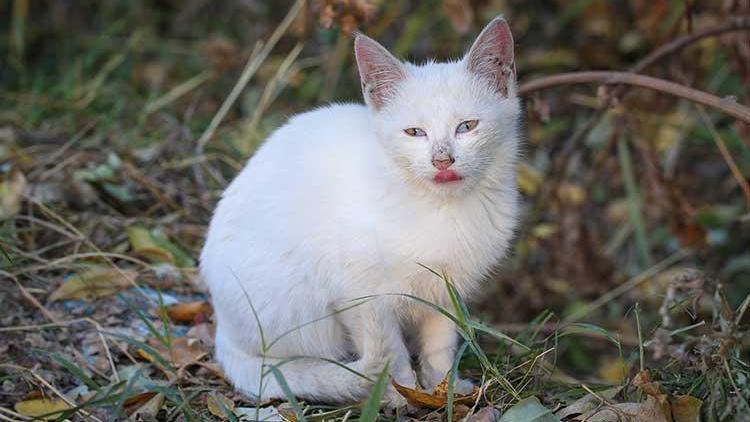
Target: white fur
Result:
[[338, 204]]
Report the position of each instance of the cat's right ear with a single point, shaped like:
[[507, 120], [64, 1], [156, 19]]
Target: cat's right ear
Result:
[[379, 71]]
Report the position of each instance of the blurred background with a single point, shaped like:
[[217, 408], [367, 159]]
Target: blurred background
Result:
[[122, 121]]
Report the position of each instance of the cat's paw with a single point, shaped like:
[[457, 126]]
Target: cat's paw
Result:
[[392, 399], [463, 387]]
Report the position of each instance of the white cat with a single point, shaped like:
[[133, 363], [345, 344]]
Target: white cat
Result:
[[346, 201]]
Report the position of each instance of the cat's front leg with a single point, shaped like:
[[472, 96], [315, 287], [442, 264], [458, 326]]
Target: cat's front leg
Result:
[[438, 339], [376, 334]]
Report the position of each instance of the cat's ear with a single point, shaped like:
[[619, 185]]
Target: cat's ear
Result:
[[491, 56], [379, 71]]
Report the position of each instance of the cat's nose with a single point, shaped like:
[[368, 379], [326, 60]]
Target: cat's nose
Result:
[[443, 163]]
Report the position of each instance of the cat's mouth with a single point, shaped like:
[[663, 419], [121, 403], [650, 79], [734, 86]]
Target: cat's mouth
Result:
[[446, 176]]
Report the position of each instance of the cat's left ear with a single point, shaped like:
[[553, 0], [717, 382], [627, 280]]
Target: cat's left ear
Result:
[[491, 56], [379, 71]]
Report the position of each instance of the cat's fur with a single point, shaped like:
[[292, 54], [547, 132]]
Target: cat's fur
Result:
[[340, 203]]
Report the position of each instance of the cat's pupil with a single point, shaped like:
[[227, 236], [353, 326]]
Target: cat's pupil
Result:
[[466, 126], [415, 131]]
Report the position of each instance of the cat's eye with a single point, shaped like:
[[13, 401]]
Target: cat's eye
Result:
[[466, 126], [415, 131]]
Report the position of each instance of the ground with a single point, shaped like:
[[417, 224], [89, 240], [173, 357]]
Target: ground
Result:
[[121, 122]]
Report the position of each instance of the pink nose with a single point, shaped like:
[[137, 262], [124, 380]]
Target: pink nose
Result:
[[443, 164]]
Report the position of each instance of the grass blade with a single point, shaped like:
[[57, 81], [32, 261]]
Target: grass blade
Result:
[[371, 408]]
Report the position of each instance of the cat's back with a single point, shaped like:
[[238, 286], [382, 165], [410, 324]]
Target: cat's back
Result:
[[312, 146], [308, 172]]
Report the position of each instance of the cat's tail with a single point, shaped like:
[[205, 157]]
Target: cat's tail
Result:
[[307, 378]]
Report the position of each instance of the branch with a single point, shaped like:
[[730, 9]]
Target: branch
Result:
[[728, 106], [737, 24]]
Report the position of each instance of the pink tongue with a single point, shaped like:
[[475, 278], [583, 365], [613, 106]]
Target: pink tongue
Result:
[[445, 176]]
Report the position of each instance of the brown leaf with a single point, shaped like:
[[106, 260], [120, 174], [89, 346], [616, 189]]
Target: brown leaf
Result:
[[436, 400], [488, 414], [189, 312], [38, 408], [217, 403], [205, 332], [686, 408], [184, 352], [586, 404], [144, 404], [94, 283]]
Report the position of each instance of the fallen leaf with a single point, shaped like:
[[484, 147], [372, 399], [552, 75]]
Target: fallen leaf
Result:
[[154, 246], [11, 192], [144, 245], [613, 370], [184, 352], [144, 404], [94, 283], [649, 410], [47, 409], [488, 414], [529, 410], [658, 406], [197, 311], [686, 408], [436, 400], [264, 414], [219, 404], [205, 332], [587, 403]]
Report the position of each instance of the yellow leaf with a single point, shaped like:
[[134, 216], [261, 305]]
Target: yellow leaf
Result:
[[47, 409], [437, 399], [613, 370], [144, 244], [94, 283], [217, 403]]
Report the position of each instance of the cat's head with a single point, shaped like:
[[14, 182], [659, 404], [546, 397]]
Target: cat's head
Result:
[[446, 126]]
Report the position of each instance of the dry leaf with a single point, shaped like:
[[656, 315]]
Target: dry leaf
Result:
[[529, 410], [658, 406], [11, 192], [613, 370], [686, 408], [94, 283], [184, 351], [488, 414], [205, 332], [436, 400], [217, 403], [144, 404], [587, 403], [144, 245], [38, 408], [197, 311]]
